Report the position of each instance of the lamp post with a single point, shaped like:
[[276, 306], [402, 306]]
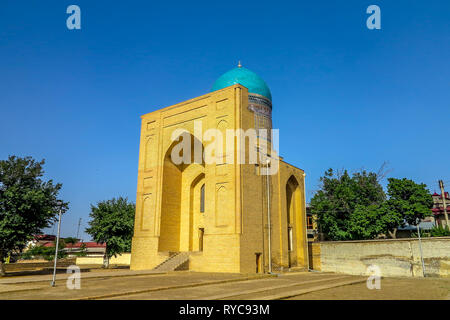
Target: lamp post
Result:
[[420, 246], [60, 204], [269, 245]]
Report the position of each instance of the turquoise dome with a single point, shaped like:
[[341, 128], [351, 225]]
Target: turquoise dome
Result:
[[244, 77]]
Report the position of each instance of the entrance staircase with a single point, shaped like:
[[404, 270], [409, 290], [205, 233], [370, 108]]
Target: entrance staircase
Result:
[[177, 261]]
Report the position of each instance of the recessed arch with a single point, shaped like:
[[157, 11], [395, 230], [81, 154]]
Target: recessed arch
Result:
[[293, 212], [196, 217], [180, 173]]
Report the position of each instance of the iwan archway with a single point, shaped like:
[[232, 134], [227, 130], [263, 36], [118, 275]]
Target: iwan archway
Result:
[[182, 207]]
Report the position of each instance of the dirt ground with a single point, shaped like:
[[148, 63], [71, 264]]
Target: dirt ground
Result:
[[391, 289]]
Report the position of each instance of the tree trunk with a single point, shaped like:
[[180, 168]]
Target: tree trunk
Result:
[[2, 266], [105, 261], [393, 234]]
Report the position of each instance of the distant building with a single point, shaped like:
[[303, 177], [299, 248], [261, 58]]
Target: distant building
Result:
[[311, 225], [93, 249], [438, 207], [407, 231], [40, 239]]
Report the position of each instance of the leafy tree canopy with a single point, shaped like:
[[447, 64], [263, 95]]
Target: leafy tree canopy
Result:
[[409, 199], [47, 253], [112, 222], [27, 203], [342, 196], [71, 240], [356, 207]]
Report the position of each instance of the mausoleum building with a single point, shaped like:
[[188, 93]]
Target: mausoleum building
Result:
[[234, 207]]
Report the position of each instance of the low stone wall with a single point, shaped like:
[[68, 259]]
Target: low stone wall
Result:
[[27, 265], [394, 257], [123, 259]]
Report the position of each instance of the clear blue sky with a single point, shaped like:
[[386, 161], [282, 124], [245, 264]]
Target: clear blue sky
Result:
[[343, 96]]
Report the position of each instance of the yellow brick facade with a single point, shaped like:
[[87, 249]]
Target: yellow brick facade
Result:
[[231, 232]]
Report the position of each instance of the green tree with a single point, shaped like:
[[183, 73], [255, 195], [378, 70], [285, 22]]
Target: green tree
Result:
[[355, 207], [27, 203], [71, 240], [47, 253], [346, 206], [112, 222], [408, 201], [373, 221]]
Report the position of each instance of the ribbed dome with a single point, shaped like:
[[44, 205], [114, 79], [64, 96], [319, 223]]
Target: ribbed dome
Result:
[[244, 77]]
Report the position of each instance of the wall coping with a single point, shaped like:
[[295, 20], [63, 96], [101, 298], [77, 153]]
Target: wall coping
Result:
[[383, 240]]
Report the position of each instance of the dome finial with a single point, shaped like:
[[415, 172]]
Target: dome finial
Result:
[[239, 64]]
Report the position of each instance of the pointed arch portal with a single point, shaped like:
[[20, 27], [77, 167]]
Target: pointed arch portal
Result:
[[181, 216], [293, 206]]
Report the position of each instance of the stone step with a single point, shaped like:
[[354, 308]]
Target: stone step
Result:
[[173, 262]]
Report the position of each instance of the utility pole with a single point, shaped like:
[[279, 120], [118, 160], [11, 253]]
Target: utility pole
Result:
[[441, 185], [78, 230]]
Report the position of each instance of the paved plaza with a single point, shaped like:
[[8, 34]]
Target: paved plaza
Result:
[[149, 285]]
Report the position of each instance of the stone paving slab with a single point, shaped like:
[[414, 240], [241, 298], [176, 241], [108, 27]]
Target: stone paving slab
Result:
[[176, 287], [269, 288], [85, 275], [195, 286], [230, 289], [15, 288], [297, 292], [121, 286]]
